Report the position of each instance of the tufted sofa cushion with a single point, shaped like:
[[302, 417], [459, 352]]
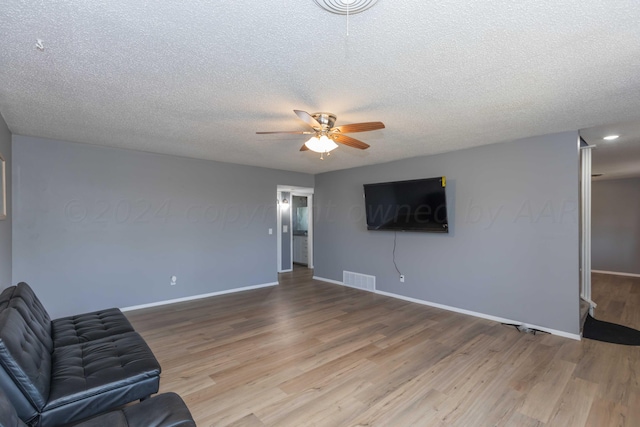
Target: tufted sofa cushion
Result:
[[24, 357], [89, 326], [43, 333], [67, 330], [103, 373], [5, 296], [25, 292]]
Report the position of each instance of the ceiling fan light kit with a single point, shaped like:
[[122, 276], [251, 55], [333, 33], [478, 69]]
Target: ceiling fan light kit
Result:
[[344, 7], [325, 135], [320, 145]]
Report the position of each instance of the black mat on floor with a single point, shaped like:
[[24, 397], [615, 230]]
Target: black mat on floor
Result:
[[610, 332]]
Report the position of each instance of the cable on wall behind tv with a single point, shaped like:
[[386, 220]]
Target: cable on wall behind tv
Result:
[[395, 236]]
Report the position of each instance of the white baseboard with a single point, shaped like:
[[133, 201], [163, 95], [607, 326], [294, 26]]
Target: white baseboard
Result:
[[616, 273], [194, 297], [335, 282], [481, 315], [463, 311], [286, 271]]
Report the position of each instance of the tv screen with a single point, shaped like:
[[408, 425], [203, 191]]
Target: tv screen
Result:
[[417, 205]]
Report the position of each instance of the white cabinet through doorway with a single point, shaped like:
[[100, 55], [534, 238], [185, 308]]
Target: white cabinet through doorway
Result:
[[300, 249]]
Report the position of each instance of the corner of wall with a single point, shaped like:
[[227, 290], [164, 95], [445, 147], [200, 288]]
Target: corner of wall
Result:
[[6, 227]]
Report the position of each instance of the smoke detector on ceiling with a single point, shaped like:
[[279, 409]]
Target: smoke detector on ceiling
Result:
[[344, 7]]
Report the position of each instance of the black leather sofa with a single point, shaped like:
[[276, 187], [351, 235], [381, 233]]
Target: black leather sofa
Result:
[[56, 372], [163, 410]]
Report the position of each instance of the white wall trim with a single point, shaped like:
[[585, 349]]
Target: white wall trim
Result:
[[201, 296], [462, 311], [481, 315], [278, 233], [616, 273], [335, 282], [286, 271], [585, 221]]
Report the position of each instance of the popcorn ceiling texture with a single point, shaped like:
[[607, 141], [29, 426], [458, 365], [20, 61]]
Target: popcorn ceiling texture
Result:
[[199, 78]]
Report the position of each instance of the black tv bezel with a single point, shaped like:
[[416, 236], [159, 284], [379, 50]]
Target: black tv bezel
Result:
[[445, 225]]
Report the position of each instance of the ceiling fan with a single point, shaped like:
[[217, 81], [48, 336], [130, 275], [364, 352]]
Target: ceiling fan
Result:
[[325, 135]]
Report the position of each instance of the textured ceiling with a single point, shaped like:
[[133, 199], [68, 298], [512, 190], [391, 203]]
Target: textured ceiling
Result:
[[198, 78]]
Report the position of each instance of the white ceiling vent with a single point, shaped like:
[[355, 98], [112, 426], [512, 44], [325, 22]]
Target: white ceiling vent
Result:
[[344, 7]]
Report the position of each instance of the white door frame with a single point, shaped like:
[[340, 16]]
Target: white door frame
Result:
[[278, 232], [585, 222], [280, 241]]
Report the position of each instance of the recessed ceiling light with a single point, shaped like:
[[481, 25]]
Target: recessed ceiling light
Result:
[[611, 137]]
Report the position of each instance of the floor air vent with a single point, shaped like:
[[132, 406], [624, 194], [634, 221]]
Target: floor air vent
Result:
[[360, 281]]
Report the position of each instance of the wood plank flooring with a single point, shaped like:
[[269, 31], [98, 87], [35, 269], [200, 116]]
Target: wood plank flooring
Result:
[[308, 353]]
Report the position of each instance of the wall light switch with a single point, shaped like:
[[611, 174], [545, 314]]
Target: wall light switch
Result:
[[285, 228], [271, 231]]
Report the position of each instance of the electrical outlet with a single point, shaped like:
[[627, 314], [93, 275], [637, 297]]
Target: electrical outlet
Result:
[[174, 281], [402, 278]]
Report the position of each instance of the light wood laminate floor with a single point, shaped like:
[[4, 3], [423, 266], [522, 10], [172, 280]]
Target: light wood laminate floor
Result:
[[308, 353]]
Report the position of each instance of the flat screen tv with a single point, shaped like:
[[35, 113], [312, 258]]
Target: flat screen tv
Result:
[[416, 205]]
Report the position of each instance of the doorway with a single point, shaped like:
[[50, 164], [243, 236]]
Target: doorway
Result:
[[295, 228]]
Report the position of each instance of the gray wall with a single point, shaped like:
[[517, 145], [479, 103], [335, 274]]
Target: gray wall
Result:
[[98, 227], [512, 249], [5, 225], [615, 225]]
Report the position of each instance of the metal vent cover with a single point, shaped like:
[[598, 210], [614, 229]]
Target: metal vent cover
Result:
[[359, 280]]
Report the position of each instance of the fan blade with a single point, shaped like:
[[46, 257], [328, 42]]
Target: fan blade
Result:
[[304, 147], [351, 142], [306, 117], [360, 127], [291, 132]]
